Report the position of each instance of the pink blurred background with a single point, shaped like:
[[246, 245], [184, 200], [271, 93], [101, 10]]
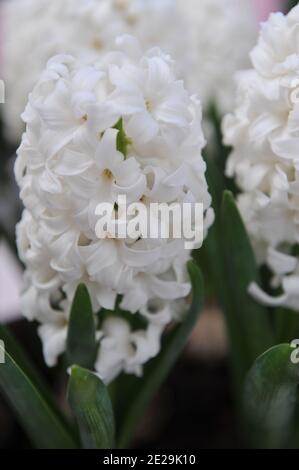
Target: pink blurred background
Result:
[[265, 7]]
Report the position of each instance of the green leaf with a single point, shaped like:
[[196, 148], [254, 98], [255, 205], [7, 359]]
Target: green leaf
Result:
[[216, 151], [42, 425], [209, 256], [92, 408], [81, 340], [19, 355], [271, 399], [135, 394], [248, 324], [122, 140]]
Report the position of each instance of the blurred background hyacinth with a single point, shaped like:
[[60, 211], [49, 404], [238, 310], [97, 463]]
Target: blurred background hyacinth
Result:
[[139, 342]]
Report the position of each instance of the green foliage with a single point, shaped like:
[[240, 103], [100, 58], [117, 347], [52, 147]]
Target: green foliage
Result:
[[92, 409], [133, 394], [39, 419], [81, 340], [122, 140], [248, 323], [271, 399]]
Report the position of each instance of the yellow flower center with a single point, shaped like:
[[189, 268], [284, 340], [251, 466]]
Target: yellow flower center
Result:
[[148, 106], [97, 44], [121, 4], [107, 174], [83, 119], [131, 20]]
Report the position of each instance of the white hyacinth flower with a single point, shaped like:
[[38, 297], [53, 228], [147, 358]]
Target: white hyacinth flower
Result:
[[264, 134], [40, 29], [221, 35], [209, 40], [70, 161]]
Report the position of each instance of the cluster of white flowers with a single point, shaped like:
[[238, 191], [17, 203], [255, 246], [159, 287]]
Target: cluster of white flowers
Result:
[[264, 133], [36, 30], [125, 126], [221, 35], [209, 39]]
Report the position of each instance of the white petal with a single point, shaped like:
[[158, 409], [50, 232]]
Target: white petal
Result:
[[265, 299], [142, 128], [54, 342]]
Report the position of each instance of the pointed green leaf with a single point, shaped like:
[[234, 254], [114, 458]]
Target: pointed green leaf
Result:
[[248, 323], [19, 355], [271, 398], [216, 152], [81, 340], [42, 425], [208, 257], [91, 405], [135, 394]]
